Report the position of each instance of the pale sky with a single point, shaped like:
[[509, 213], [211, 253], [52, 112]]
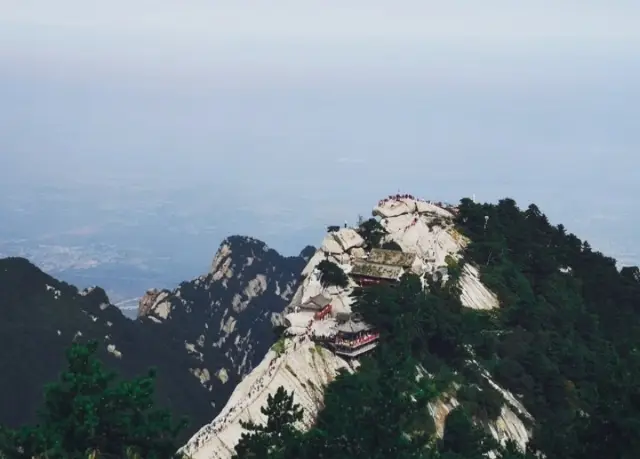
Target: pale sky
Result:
[[136, 36], [313, 110]]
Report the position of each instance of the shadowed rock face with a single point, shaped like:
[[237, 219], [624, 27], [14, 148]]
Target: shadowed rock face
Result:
[[202, 336], [225, 318]]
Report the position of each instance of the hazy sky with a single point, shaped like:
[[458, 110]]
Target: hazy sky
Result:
[[312, 110]]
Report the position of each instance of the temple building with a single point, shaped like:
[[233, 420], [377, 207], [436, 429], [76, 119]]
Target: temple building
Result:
[[320, 305], [392, 257], [354, 337], [366, 273], [385, 266]]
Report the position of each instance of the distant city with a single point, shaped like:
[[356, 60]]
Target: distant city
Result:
[[86, 237], [124, 275], [129, 239]]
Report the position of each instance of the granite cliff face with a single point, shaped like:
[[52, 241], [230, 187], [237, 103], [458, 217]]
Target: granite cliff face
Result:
[[304, 368], [225, 318], [203, 336]]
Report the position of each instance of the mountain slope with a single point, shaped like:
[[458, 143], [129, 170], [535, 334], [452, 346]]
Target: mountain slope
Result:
[[305, 368], [572, 327], [507, 327], [219, 321], [225, 319], [40, 317]]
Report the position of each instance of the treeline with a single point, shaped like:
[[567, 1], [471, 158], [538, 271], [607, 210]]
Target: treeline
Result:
[[564, 342]]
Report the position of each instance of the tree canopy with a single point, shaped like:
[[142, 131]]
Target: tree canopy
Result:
[[88, 411], [571, 325], [332, 274], [278, 432], [391, 245], [372, 232]]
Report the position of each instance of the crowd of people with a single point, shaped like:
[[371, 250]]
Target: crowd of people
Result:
[[396, 197], [358, 341], [399, 196]]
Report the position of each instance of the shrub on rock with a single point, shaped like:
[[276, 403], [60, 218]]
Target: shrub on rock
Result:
[[332, 274], [391, 245], [372, 232]]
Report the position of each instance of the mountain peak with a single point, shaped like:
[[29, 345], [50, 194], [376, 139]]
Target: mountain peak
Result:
[[425, 236], [21, 277], [19, 266], [96, 294], [203, 335], [234, 249], [307, 253]]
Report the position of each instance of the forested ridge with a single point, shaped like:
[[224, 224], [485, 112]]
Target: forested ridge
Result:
[[564, 342], [571, 330]]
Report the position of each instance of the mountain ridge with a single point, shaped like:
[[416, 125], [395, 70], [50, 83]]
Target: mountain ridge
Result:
[[304, 368], [40, 316]]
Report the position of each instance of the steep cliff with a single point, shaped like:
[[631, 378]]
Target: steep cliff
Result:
[[418, 227]]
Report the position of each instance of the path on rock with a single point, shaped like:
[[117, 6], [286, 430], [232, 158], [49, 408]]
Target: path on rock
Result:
[[256, 390], [259, 385]]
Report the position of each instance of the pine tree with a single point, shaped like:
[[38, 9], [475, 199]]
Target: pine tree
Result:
[[88, 412], [271, 438]]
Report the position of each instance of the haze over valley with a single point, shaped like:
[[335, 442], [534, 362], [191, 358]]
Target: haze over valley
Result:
[[128, 154]]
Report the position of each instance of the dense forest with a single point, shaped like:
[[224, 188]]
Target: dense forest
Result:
[[564, 342]]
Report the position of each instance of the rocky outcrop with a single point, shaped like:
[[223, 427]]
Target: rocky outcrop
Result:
[[474, 294], [301, 366], [154, 303], [419, 227]]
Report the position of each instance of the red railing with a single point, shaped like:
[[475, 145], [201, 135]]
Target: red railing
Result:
[[323, 313], [368, 281], [358, 341]]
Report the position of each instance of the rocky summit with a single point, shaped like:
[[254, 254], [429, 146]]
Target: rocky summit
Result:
[[203, 336], [422, 229]]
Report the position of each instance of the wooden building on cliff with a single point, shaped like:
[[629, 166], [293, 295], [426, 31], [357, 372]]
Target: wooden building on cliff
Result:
[[354, 338], [365, 273], [320, 305]]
